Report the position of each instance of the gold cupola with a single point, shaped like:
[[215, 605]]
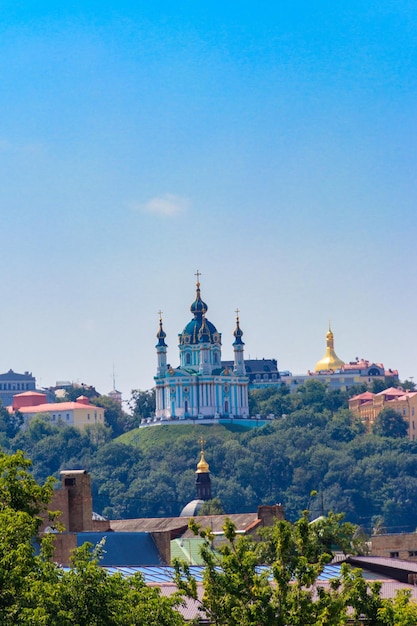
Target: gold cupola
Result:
[[330, 361], [202, 465]]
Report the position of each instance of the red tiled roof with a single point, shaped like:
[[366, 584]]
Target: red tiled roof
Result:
[[56, 406], [366, 395], [391, 391]]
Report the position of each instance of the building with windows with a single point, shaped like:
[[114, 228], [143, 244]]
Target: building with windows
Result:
[[367, 407], [11, 383], [337, 374], [201, 387], [261, 372], [79, 413]]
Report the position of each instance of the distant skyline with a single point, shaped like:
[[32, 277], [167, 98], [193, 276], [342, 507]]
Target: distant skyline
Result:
[[272, 146]]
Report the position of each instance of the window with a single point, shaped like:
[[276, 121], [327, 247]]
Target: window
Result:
[[394, 555], [188, 358], [69, 482], [412, 553]]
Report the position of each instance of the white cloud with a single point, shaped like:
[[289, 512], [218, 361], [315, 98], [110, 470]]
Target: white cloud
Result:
[[167, 204]]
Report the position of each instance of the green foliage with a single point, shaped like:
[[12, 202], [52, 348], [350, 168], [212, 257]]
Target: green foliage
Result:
[[114, 416], [211, 507], [35, 591], [389, 423], [142, 405], [10, 423], [238, 592], [74, 391], [311, 445]]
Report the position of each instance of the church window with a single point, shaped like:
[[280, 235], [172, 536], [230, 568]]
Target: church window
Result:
[[188, 358], [226, 406]]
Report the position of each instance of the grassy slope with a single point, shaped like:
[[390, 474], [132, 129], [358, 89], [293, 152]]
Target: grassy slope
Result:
[[145, 438]]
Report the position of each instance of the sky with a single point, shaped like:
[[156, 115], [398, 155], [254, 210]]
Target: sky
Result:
[[270, 145]]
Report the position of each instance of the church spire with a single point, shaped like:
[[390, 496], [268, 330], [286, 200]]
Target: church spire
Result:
[[203, 481], [238, 347], [330, 361], [198, 307], [161, 348], [160, 335]]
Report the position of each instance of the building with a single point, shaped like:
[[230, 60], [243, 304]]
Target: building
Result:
[[261, 372], [12, 383], [367, 406], [201, 388], [337, 374], [79, 413]]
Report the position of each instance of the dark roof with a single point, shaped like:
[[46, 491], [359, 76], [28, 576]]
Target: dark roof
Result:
[[257, 366], [124, 548], [180, 524], [397, 569], [11, 375]]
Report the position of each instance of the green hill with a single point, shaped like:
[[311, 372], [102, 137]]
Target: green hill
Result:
[[146, 438]]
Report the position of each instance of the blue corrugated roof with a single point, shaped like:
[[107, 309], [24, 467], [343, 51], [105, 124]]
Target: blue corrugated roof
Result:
[[124, 549], [166, 574]]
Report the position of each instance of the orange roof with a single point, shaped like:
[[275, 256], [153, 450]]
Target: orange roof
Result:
[[366, 395], [391, 391], [58, 407]]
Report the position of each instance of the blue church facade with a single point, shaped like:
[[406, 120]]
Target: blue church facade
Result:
[[201, 387]]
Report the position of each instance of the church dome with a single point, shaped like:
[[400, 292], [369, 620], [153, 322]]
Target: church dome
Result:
[[202, 465], [161, 334], [238, 332], [192, 508], [330, 361], [199, 325]]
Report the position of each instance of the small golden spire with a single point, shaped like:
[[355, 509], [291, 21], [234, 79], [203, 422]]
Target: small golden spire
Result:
[[330, 361], [202, 465]]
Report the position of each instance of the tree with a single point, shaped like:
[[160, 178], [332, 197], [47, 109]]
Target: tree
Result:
[[76, 390], [408, 385], [143, 405], [114, 416], [211, 507], [35, 591], [390, 423], [238, 592], [10, 423]]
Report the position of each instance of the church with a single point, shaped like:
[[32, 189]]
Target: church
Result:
[[201, 387]]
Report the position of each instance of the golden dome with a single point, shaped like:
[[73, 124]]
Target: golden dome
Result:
[[330, 361], [202, 465]]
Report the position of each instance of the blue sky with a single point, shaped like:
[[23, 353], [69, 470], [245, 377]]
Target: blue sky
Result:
[[272, 146]]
